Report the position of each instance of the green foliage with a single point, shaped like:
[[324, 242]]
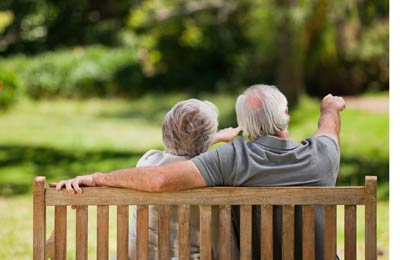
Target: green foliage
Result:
[[90, 72], [316, 46], [9, 85]]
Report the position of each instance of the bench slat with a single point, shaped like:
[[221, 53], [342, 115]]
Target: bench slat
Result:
[[122, 231], [205, 233], [184, 231], [39, 218], [60, 232], [102, 232], [370, 218], [287, 232], [308, 235], [267, 244], [350, 233], [330, 233], [163, 232], [81, 232], [142, 232], [225, 232], [221, 196], [245, 232]]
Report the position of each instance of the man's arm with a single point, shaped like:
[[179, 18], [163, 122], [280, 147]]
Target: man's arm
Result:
[[329, 121], [170, 177]]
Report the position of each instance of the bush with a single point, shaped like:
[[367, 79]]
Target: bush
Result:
[[94, 71], [8, 88]]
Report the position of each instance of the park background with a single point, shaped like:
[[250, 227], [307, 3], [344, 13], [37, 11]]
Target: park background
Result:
[[85, 84]]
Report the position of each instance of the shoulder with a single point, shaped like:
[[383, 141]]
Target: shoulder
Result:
[[323, 141], [325, 150], [157, 158]]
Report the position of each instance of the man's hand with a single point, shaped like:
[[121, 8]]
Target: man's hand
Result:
[[333, 102], [73, 185], [329, 121], [226, 134]]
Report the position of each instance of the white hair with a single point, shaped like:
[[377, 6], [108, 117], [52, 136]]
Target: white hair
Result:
[[189, 127], [261, 110]]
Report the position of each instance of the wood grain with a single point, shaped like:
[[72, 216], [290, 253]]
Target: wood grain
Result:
[[220, 196], [102, 232]]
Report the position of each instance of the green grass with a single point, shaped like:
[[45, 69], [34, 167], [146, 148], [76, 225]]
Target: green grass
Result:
[[64, 138]]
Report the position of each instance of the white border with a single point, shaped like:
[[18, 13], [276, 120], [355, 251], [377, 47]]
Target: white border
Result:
[[394, 84]]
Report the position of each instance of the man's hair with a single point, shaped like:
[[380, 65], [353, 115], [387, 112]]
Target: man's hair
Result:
[[261, 110], [189, 127]]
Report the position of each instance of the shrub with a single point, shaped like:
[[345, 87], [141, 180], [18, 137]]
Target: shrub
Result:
[[93, 71], [8, 88]]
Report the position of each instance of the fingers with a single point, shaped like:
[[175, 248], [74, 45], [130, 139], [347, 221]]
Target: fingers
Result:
[[336, 101], [60, 185], [71, 186], [76, 187], [68, 186]]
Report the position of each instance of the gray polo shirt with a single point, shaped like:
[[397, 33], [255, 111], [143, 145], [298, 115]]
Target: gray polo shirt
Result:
[[272, 161]]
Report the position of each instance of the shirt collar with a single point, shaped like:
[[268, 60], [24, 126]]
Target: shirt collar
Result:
[[276, 142]]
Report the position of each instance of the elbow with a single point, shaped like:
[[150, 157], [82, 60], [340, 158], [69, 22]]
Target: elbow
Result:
[[159, 184]]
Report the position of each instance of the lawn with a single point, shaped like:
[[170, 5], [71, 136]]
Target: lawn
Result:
[[64, 138]]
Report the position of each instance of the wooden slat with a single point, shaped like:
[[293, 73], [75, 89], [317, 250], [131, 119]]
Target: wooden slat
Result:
[[205, 233], [81, 232], [330, 233], [287, 232], [308, 234], [350, 232], [60, 232], [39, 218], [184, 231], [142, 248], [221, 196], [245, 232], [50, 246], [122, 231], [267, 245], [370, 218], [102, 232], [225, 232], [163, 232]]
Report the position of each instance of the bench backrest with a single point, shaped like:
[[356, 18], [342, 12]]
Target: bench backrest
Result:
[[225, 197]]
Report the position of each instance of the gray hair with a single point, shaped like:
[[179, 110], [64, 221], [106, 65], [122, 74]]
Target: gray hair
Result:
[[261, 110], [189, 127]]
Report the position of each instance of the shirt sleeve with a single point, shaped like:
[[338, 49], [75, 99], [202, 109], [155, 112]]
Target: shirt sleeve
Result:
[[330, 149], [217, 165]]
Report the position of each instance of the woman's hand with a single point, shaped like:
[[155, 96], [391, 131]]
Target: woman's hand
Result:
[[226, 134]]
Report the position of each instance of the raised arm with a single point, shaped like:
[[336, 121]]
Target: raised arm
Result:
[[170, 177], [329, 121]]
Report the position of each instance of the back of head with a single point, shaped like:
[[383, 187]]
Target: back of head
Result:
[[261, 110], [189, 127]]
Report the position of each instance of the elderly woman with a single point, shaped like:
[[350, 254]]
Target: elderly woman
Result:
[[189, 129]]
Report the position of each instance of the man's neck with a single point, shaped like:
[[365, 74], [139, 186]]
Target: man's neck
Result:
[[283, 134]]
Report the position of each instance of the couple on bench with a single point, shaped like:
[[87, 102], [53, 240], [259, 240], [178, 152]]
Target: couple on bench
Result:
[[268, 158]]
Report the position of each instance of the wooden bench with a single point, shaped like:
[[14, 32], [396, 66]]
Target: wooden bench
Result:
[[103, 197]]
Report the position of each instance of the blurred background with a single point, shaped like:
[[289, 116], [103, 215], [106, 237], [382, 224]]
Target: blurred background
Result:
[[85, 84]]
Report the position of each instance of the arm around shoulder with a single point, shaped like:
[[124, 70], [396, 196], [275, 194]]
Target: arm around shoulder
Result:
[[169, 177]]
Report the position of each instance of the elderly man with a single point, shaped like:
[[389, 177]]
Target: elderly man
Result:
[[270, 158]]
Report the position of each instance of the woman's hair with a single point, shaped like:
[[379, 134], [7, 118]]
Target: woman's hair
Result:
[[189, 127], [261, 110]]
